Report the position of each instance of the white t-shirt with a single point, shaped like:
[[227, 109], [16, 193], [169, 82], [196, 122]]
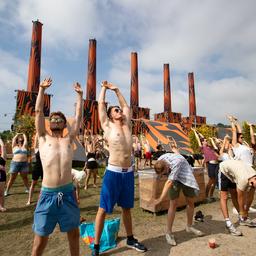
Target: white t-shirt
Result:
[[238, 172], [243, 153]]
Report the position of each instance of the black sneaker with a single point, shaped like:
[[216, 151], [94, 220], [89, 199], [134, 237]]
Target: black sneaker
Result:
[[134, 244], [199, 216], [95, 252]]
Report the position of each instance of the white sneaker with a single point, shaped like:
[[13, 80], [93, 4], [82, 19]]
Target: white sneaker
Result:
[[26, 191], [6, 193], [233, 231], [170, 239], [252, 210], [194, 231]]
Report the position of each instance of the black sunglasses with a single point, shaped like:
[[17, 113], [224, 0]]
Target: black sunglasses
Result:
[[118, 110]]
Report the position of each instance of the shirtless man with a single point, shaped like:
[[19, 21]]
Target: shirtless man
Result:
[[118, 182], [57, 202]]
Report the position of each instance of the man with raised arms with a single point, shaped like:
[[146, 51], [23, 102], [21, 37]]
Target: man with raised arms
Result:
[[118, 182], [57, 202]]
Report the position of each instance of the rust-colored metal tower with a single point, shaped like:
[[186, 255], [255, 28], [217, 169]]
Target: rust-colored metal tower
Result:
[[35, 58], [192, 97], [134, 98], [91, 75], [167, 89]]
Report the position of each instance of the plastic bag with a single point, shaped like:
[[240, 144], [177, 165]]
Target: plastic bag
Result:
[[108, 237]]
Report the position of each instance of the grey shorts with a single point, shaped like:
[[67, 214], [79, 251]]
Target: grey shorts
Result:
[[174, 191]]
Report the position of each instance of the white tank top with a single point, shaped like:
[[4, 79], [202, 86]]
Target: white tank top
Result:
[[243, 153]]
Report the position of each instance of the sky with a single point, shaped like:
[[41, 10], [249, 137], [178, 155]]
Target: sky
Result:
[[214, 39]]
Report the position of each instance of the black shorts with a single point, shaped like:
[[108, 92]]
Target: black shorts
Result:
[[2, 176], [91, 165], [225, 183], [137, 154], [37, 170], [213, 170]]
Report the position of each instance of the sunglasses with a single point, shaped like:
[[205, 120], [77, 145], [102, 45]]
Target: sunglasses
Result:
[[57, 120], [118, 110], [241, 137]]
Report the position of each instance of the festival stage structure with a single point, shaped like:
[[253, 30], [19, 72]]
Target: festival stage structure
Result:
[[167, 115], [193, 118], [26, 100]]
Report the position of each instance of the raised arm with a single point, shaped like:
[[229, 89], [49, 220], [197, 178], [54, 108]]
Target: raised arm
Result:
[[39, 109], [213, 144], [14, 140], [25, 143], [197, 137], [252, 134], [3, 150], [78, 116], [102, 107], [123, 104]]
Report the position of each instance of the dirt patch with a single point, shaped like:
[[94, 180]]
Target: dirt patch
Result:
[[16, 234]]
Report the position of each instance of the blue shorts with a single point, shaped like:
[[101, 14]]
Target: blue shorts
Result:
[[56, 205], [21, 167], [117, 187]]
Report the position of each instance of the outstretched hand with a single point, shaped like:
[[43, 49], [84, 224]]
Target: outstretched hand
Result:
[[78, 88], [46, 83], [109, 86]]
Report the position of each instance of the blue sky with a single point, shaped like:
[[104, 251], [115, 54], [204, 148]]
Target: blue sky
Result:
[[214, 39]]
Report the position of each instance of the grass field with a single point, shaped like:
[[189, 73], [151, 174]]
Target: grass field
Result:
[[16, 234]]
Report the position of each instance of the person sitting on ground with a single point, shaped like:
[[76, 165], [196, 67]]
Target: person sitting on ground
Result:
[[118, 181], [19, 163], [57, 202], [180, 177], [2, 174], [37, 171], [236, 177], [91, 167], [212, 166]]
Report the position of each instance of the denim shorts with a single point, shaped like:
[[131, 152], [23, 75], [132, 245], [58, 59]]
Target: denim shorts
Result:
[[56, 205], [21, 167]]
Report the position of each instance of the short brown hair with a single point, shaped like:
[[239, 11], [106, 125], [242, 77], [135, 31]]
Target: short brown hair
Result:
[[60, 114], [109, 111], [159, 166]]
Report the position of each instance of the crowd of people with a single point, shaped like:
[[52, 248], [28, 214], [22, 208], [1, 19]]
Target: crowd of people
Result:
[[229, 165]]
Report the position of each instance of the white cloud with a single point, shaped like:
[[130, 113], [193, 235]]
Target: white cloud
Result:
[[213, 39]]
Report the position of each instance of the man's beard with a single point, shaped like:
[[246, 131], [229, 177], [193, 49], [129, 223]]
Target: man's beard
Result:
[[56, 128]]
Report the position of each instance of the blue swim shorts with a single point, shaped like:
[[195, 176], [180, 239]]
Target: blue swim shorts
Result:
[[117, 187], [56, 205], [21, 167]]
